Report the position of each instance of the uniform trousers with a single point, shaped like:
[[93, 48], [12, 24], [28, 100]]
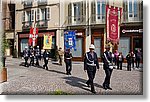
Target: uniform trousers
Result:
[[108, 73], [91, 71]]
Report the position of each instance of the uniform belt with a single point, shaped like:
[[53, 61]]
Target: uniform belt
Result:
[[91, 64], [68, 58]]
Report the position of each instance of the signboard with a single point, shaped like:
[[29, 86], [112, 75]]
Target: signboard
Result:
[[33, 36], [70, 40], [132, 31]]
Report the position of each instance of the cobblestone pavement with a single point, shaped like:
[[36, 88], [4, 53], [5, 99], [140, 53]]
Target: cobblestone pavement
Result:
[[33, 80]]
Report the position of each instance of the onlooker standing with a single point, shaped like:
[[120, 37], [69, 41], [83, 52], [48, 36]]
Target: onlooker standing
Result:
[[129, 61], [60, 53], [116, 56], [90, 65], [138, 57], [120, 59], [68, 61]]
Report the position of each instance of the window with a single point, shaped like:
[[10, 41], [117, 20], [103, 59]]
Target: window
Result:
[[23, 17], [98, 9], [135, 8], [43, 11], [77, 11], [48, 13], [38, 14], [32, 15], [28, 15]]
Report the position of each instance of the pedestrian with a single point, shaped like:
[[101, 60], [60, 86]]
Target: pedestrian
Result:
[[107, 66], [90, 66], [26, 56], [138, 57], [37, 56], [132, 59], [120, 60], [32, 56], [60, 53], [46, 58], [129, 61], [116, 56], [68, 61]]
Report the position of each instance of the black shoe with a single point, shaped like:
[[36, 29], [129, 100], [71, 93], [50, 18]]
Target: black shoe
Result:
[[69, 73], [109, 88], [93, 91], [88, 85], [104, 87]]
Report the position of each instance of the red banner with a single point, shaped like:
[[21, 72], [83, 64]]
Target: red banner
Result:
[[33, 36], [112, 24]]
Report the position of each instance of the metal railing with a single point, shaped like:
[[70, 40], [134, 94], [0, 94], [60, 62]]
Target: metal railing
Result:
[[97, 19], [42, 23], [131, 17], [80, 20], [26, 25], [42, 2]]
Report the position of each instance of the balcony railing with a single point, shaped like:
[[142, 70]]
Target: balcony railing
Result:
[[42, 23], [81, 20], [131, 17], [97, 19], [27, 4], [26, 25], [42, 2]]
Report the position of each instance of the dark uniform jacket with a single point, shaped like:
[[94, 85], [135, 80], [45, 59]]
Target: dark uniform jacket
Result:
[[46, 55], [107, 59], [90, 61], [25, 53], [68, 56]]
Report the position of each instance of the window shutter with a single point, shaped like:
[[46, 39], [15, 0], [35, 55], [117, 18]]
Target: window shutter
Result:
[[69, 13], [93, 11], [47, 13]]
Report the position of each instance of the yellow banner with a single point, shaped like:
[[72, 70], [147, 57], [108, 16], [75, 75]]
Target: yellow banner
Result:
[[47, 42]]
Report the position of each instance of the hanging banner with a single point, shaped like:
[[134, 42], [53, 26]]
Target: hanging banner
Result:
[[30, 36], [47, 42], [70, 40], [112, 23], [33, 37]]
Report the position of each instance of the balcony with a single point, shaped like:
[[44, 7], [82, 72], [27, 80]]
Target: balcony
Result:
[[26, 25], [131, 17], [27, 4], [42, 24], [97, 19], [42, 2], [81, 20]]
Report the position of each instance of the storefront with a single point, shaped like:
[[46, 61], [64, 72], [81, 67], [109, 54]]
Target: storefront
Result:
[[131, 38], [24, 37], [97, 39]]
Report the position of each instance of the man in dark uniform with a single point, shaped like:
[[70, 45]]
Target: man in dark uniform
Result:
[[26, 55], [68, 61], [31, 56], [90, 65], [37, 55], [107, 60], [46, 58]]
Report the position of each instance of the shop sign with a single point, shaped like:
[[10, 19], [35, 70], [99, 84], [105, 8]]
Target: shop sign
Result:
[[132, 31]]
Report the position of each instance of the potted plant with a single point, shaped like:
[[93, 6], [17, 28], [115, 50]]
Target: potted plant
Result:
[[3, 69]]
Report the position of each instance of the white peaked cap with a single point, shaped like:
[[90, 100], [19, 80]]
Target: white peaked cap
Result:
[[92, 46]]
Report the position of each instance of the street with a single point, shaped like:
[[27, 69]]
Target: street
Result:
[[33, 80]]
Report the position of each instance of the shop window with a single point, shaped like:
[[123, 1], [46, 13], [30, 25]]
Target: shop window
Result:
[[97, 43]]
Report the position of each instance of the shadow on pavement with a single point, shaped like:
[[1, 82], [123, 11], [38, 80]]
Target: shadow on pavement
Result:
[[57, 71], [78, 82]]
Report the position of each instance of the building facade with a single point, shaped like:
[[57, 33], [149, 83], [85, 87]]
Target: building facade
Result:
[[86, 17], [8, 9]]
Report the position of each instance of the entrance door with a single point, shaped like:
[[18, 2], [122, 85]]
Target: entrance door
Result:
[[97, 43], [137, 43]]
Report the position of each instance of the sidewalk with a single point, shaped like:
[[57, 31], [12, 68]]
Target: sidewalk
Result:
[[33, 80]]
